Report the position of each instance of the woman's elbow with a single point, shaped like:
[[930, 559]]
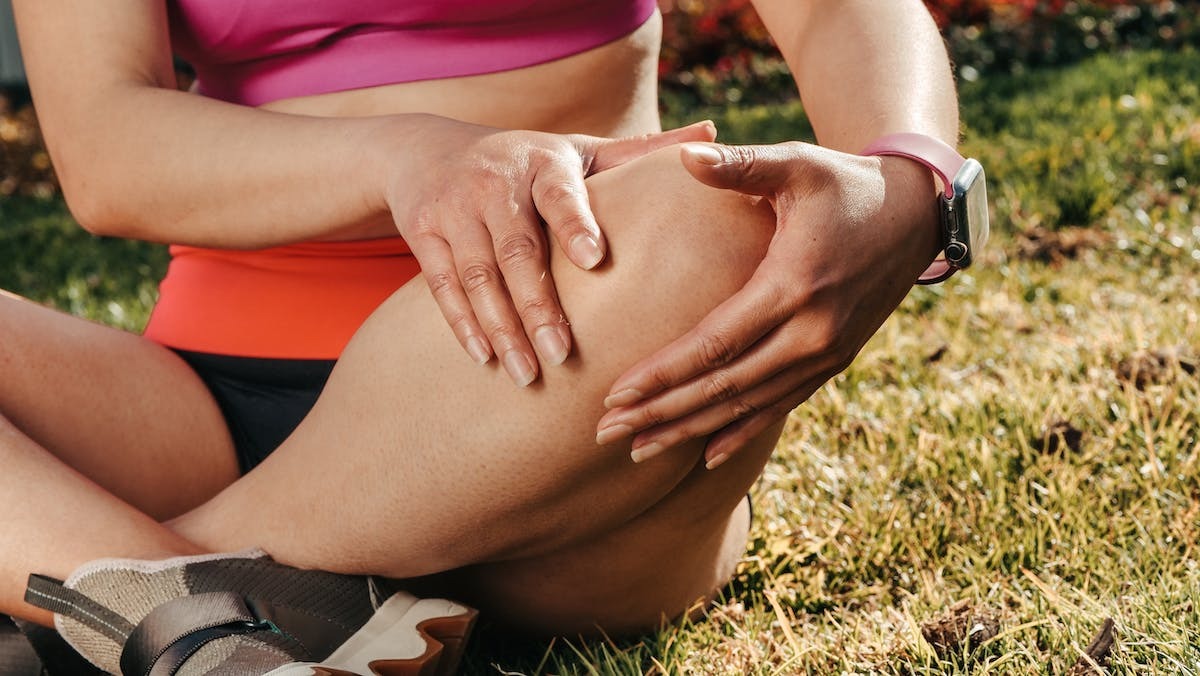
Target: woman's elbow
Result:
[[95, 206]]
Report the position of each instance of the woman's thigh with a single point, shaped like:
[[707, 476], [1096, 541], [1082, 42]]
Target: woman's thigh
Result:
[[123, 411], [417, 461]]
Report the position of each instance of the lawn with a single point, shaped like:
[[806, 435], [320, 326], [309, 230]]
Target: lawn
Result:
[[1011, 461]]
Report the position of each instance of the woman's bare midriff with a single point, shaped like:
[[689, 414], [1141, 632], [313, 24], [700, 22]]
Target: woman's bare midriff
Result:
[[607, 91]]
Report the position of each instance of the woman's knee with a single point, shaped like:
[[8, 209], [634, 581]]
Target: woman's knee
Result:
[[677, 249], [680, 246]]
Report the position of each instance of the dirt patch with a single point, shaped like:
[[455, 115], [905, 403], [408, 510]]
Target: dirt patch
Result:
[[1060, 435], [964, 626], [1154, 367], [1055, 246]]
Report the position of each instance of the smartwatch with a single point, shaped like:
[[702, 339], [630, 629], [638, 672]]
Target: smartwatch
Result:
[[962, 205]]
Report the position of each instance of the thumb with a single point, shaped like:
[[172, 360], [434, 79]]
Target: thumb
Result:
[[608, 153], [757, 170]]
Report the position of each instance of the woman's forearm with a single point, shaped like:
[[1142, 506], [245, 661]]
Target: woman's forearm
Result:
[[163, 165], [137, 158], [866, 68]]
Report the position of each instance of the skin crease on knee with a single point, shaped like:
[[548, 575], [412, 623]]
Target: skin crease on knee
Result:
[[515, 475]]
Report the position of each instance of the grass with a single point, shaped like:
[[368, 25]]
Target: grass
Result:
[[1021, 443]]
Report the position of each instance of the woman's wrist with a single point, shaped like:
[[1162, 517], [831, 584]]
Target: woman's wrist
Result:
[[402, 151], [915, 204]]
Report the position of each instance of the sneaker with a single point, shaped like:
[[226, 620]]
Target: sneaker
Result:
[[227, 614]]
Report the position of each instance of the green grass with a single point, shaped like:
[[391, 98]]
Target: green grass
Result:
[[923, 476], [47, 257]]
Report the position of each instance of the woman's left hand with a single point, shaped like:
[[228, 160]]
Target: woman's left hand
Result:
[[852, 235]]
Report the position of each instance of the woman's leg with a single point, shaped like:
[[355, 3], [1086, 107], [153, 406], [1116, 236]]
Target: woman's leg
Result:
[[416, 461], [54, 519], [127, 413], [137, 426]]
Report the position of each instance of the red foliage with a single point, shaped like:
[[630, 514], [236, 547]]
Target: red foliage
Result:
[[715, 32], [975, 12]]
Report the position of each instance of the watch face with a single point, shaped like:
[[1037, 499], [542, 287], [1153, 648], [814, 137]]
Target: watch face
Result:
[[968, 227]]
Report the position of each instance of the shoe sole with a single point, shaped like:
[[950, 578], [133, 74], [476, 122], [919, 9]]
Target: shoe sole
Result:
[[407, 636]]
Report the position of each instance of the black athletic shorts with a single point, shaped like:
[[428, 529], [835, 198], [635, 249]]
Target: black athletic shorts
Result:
[[262, 400]]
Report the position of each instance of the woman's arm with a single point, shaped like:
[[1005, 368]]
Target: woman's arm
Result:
[[866, 68], [139, 159], [852, 236]]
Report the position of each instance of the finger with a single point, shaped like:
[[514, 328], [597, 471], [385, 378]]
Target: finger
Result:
[[437, 267], [785, 349], [475, 263], [707, 420], [561, 199], [521, 252], [601, 153], [720, 337], [726, 443], [733, 437], [754, 169]]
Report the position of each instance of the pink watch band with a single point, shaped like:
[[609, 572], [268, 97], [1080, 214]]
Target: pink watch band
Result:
[[933, 153], [940, 158]]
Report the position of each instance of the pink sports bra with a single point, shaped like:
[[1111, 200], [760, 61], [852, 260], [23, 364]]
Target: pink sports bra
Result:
[[255, 51]]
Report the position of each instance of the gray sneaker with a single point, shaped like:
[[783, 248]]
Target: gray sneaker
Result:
[[240, 614]]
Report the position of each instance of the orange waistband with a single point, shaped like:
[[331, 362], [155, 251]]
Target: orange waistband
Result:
[[300, 301]]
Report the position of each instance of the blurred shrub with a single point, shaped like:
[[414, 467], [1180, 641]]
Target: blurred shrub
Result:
[[1014, 35], [24, 164], [719, 52], [716, 52]]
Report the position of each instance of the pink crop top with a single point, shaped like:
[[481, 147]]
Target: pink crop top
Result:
[[256, 51]]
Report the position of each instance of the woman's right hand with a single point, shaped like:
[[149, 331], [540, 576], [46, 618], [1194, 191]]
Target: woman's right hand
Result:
[[471, 202]]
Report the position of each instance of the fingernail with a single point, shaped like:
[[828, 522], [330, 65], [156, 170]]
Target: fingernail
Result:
[[585, 251], [717, 461], [550, 345], [478, 350], [519, 368], [704, 154], [610, 434], [622, 398], [644, 453]]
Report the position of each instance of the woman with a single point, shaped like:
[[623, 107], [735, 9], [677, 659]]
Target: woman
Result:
[[605, 488]]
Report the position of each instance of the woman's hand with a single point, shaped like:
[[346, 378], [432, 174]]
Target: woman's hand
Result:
[[852, 235], [472, 211]]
